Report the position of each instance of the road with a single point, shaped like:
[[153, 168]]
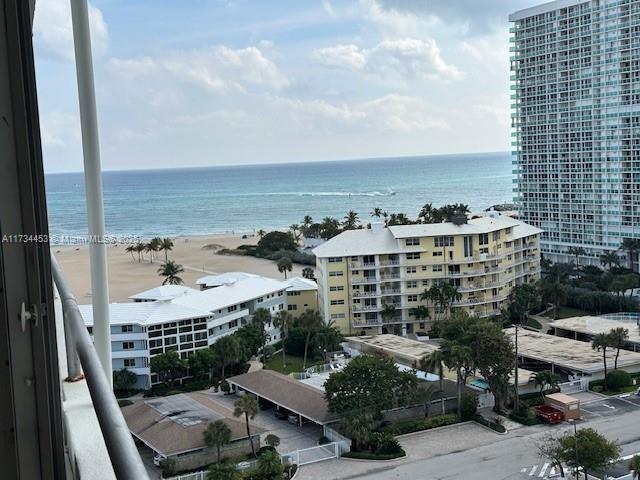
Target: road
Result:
[[514, 457]]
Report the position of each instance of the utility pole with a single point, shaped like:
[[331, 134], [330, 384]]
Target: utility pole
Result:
[[516, 401]]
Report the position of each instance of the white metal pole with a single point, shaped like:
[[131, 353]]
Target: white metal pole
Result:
[[93, 183]]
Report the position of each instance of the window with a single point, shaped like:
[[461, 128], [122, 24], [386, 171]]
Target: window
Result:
[[128, 345], [437, 254], [412, 284], [468, 246], [411, 269], [292, 308], [129, 362], [336, 274], [413, 256], [483, 239], [335, 259], [337, 302], [126, 328], [412, 242], [496, 235], [437, 268], [280, 293], [293, 294], [90, 330], [424, 268], [186, 338], [232, 308], [338, 288], [412, 298], [232, 324], [260, 299], [445, 241], [337, 315]]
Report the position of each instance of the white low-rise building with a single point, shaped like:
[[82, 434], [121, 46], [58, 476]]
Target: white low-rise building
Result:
[[186, 322]]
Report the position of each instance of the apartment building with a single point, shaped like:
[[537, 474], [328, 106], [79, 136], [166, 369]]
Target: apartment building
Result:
[[371, 280], [576, 123], [186, 322]]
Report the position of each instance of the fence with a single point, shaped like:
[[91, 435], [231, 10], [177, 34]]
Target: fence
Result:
[[336, 448], [202, 474], [575, 386]]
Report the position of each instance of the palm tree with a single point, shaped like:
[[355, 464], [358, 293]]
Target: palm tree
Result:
[[546, 378], [634, 467], [618, 337], [227, 349], [377, 212], [170, 270], [350, 220], [601, 342], [458, 357], [130, 249], [261, 318], [609, 259], [216, 435], [358, 428], [285, 265], [554, 291], [308, 273], [428, 394], [140, 247], [632, 246], [577, 252], [328, 337], [311, 322], [223, 471], [434, 363], [295, 231], [247, 405], [388, 311], [165, 244], [420, 312], [282, 321], [261, 233]]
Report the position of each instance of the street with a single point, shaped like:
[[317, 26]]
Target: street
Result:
[[490, 456]]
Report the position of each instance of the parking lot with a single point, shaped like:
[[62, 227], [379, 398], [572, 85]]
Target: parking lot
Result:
[[610, 406]]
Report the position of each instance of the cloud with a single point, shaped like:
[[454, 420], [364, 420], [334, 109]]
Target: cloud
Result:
[[219, 69], [326, 4], [53, 33], [403, 58], [474, 16], [59, 130]]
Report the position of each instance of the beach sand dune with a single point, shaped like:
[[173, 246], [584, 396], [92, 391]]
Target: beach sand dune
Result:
[[127, 276]]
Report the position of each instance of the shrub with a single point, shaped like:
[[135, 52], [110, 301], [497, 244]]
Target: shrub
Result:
[[401, 428], [468, 406], [597, 388], [493, 425], [225, 387], [266, 448], [383, 443], [272, 440], [274, 241], [618, 379], [168, 466], [323, 440]]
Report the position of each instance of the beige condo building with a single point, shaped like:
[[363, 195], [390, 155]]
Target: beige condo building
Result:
[[362, 273]]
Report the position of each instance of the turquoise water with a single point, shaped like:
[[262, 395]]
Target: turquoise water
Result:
[[243, 198]]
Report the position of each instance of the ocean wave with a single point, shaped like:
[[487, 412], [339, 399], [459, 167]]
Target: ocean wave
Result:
[[347, 194]]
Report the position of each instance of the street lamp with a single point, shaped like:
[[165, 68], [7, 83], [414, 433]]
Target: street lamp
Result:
[[575, 437]]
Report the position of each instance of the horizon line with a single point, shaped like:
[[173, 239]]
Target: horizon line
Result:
[[298, 162]]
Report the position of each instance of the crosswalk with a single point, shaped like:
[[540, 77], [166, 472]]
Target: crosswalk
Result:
[[539, 471]]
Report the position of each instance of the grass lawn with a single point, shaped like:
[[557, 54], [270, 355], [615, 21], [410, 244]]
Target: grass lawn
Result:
[[567, 312], [294, 363]]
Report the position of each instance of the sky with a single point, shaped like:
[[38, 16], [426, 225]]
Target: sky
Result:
[[226, 82]]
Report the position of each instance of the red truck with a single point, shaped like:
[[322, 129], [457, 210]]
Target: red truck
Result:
[[548, 414]]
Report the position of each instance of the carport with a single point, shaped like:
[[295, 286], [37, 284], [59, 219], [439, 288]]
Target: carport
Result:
[[285, 392], [569, 355]]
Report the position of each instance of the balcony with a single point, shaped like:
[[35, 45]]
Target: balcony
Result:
[[366, 294], [98, 443], [390, 277], [364, 323], [359, 281], [365, 308]]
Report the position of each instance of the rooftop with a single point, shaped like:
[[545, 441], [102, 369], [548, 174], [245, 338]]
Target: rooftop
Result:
[[223, 279], [300, 284], [145, 313], [543, 8], [402, 349], [384, 240], [594, 325], [163, 292], [287, 392], [567, 353], [175, 424]]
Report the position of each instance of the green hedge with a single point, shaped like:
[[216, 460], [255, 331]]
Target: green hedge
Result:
[[488, 423], [401, 428], [373, 456], [529, 419]]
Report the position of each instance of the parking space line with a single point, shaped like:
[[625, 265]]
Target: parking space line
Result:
[[533, 470], [543, 470]]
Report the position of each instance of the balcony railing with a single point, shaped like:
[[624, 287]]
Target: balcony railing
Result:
[[365, 308], [356, 281], [82, 358]]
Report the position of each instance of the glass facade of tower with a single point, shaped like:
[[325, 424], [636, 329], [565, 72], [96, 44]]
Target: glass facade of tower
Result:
[[576, 123]]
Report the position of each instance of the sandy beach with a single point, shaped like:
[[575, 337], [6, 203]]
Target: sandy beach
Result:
[[127, 276]]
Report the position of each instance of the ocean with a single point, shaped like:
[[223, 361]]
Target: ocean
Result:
[[239, 199]]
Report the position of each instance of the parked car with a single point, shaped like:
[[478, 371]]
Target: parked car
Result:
[[280, 415], [548, 414]]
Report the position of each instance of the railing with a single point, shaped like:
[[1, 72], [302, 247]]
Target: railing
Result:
[[81, 354]]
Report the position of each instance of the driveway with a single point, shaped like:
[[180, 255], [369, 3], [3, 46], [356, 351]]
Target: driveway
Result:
[[610, 406]]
